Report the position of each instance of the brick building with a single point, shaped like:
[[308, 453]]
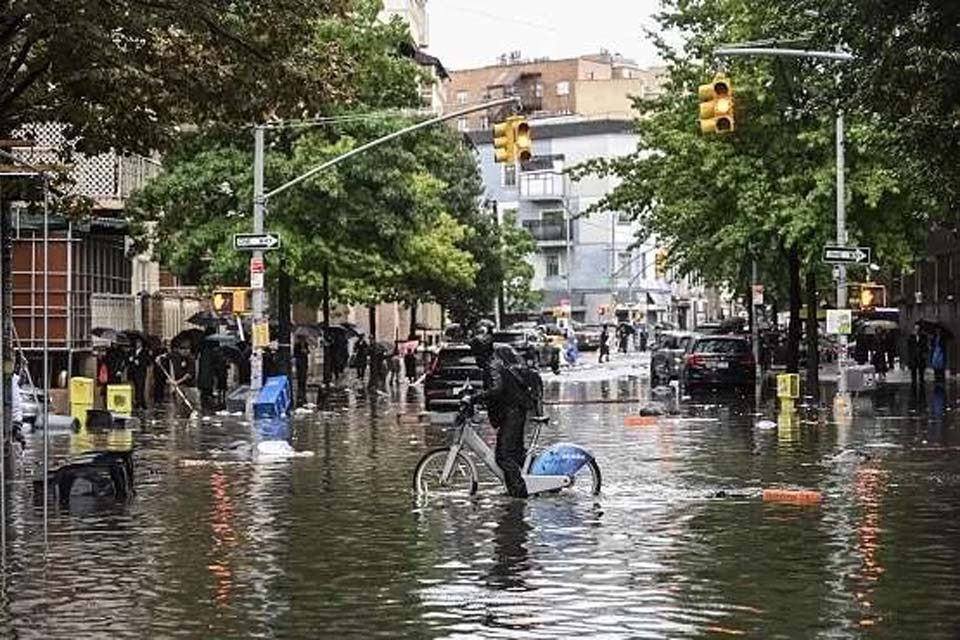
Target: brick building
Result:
[[596, 85]]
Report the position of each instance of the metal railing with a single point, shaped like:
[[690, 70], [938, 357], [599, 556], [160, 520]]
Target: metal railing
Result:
[[543, 185]]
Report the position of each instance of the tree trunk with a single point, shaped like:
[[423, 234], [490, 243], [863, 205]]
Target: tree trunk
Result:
[[372, 321], [413, 319], [813, 345], [793, 334], [327, 351]]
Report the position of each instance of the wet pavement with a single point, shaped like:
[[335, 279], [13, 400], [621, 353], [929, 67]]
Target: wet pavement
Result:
[[334, 545]]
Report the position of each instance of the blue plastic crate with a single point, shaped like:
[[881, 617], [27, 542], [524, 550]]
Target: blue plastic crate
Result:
[[273, 401]]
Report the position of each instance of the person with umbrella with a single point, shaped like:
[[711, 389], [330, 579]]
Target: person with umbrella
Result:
[[917, 356], [137, 363], [604, 345], [938, 357], [361, 351], [624, 331]]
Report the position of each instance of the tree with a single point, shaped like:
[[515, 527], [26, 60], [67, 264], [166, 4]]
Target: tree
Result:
[[124, 74], [766, 190]]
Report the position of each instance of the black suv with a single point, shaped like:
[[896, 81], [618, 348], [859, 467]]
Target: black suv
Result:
[[453, 367], [530, 345], [719, 361]]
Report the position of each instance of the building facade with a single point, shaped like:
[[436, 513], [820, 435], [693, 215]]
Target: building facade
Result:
[[598, 85], [588, 263]]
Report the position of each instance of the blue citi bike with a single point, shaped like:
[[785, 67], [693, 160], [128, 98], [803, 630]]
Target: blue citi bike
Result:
[[450, 471]]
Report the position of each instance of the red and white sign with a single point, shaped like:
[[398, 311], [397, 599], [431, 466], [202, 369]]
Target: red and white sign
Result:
[[757, 295], [256, 273]]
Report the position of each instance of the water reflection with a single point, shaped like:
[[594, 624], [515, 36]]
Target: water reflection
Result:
[[295, 549]]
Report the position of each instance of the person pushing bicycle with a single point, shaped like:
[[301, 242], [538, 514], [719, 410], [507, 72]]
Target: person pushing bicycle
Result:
[[503, 398]]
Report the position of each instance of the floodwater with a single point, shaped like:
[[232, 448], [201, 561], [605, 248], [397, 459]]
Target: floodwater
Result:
[[335, 545]]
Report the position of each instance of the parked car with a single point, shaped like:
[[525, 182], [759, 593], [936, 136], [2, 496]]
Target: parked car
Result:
[[532, 346], [453, 367], [719, 362], [588, 336], [666, 358]]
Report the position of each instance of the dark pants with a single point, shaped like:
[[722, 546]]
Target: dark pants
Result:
[[361, 371], [916, 376], [510, 452], [139, 391], [604, 352], [301, 384]]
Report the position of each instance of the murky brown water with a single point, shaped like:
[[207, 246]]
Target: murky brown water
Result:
[[335, 546]]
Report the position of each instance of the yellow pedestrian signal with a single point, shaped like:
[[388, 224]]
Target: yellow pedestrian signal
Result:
[[522, 139], [717, 106], [872, 295], [503, 142]]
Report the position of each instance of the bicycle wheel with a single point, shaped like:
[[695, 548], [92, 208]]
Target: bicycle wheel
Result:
[[426, 477], [586, 481]]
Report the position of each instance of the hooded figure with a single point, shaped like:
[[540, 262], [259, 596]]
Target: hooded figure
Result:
[[501, 395]]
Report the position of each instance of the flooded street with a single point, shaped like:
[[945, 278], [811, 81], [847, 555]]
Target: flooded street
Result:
[[678, 544]]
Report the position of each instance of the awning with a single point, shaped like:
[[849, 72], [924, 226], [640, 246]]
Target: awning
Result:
[[658, 300]]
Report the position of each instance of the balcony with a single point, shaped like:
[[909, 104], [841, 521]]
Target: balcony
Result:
[[543, 186], [546, 231]]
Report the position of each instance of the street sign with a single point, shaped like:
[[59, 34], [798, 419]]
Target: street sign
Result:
[[758, 295], [839, 321], [846, 255], [256, 241], [256, 273]]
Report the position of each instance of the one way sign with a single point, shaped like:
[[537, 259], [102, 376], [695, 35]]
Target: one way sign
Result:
[[846, 255], [256, 241]]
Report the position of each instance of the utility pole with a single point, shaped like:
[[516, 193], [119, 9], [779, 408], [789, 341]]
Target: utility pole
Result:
[[842, 406], [260, 202]]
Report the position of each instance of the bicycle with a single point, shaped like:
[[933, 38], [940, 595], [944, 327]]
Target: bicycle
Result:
[[448, 469]]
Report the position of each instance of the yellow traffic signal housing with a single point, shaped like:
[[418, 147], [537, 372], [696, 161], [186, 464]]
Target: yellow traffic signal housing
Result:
[[660, 263], [503, 142], [872, 295], [222, 301], [523, 141], [717, 106]]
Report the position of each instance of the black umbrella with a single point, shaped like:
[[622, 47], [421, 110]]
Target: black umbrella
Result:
[[209, 319], [191, 338], [133, 334], [627, 328], [111, 335], [308, 331], [351, 329], [931, 327]]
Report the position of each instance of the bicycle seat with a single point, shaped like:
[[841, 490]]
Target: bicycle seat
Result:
[[540, 419]]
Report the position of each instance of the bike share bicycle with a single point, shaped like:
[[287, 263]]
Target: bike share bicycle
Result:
[[450, 471]]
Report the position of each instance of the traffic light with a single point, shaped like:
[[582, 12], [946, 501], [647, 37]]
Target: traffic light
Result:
[[716, 105], [522, 139], [660, 264], [222, 301], [504, 146], [872, 295], [512, 140]]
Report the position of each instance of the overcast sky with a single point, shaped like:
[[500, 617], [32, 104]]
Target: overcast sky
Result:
[[468, 33]]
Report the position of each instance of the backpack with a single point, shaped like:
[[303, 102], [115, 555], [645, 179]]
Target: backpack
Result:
[[529, 385]]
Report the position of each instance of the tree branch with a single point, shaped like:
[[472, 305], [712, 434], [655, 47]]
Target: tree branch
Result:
[[24, 84]]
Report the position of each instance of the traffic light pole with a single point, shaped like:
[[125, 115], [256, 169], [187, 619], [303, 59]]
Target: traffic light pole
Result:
[[260, 203], [842, 407]]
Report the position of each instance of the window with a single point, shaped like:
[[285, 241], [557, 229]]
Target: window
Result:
[[538, 90], [462, 97], [463, 125], [509, 175], [484, 123], [563, 88], [552, 217], [553, 264], [624, 264], [623, 218]]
